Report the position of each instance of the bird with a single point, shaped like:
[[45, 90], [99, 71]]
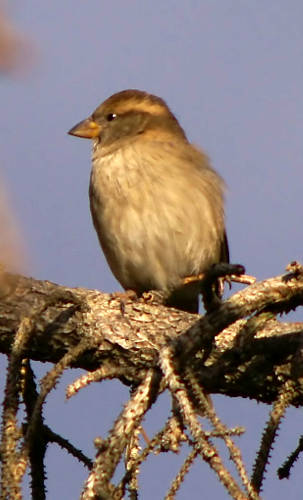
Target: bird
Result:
[[156, 202]]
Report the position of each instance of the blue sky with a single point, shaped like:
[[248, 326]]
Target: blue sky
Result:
[[232, 72]]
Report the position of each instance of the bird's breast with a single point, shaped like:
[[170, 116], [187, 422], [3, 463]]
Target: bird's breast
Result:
[[153, 219]]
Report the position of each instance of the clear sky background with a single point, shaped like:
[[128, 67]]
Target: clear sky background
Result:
[[232, 72]]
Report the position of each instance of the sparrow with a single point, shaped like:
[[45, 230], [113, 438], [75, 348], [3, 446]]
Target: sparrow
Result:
[[157, 204]]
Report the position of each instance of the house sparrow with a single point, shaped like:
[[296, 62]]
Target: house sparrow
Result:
[[156, 203]]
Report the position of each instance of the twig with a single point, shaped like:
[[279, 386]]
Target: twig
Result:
[[53, 437], [98, 482], [37, 447], [202, 443], [47, 384], [181, 475], [11, 474], [106, 371], [220, 428], [284, 470], [279, 407]]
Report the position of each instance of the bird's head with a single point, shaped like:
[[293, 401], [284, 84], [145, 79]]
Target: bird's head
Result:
[[129, 114]]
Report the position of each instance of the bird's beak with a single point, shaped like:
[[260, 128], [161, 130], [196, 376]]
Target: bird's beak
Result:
[[88, 129]]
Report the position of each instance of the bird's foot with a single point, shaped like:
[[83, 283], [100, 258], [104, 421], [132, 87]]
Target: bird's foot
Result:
[[155, 297], [192, 279]]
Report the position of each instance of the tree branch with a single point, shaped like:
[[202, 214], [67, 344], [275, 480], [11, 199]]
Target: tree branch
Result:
[[231, 355], [238, 348]]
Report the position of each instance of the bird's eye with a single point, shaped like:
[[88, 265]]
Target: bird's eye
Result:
[[111, 116]]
